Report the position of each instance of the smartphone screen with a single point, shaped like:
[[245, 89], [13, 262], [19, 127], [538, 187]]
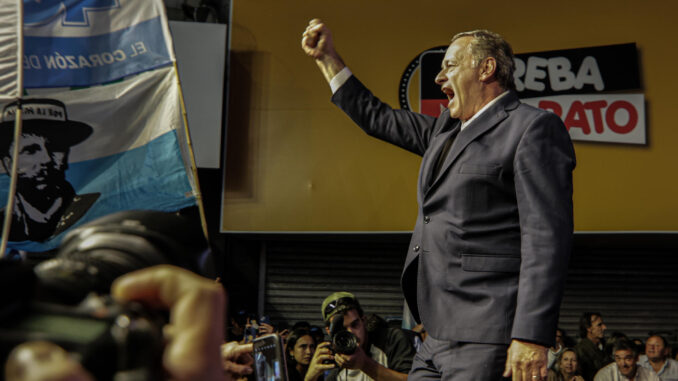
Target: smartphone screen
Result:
[[269, 358]]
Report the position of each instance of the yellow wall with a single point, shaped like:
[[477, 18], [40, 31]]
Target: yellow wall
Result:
[[296, 163]]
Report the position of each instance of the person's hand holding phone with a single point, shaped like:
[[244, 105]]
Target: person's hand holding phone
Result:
[[265, 329], [237, 360], [322, 361]]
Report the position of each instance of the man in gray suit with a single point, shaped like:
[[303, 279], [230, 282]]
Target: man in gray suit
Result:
[[491, 244]]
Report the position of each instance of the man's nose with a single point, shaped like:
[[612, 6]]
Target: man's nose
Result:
[[43, 157], [440, 78]]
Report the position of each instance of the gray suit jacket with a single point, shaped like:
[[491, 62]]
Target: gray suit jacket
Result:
[[491, 245]]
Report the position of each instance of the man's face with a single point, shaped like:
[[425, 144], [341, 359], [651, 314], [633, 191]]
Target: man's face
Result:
[[626, 362], [568, 363], [459, 79], [655, 349], [356, 325], [39, 163], [597, 328]]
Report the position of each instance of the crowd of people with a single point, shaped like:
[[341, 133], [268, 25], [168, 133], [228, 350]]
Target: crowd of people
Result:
[[594, 356], [614, 357], [382, 352]]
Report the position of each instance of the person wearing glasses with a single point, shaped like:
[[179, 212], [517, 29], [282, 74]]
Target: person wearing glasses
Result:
[[382, 354]]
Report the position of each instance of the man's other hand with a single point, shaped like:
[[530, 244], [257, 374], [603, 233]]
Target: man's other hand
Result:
[[526, 361]]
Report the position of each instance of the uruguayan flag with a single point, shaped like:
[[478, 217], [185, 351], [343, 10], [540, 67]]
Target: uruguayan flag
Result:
[[87, 42], [103, 126]]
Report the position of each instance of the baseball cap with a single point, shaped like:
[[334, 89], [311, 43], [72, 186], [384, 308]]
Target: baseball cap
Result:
[[332, 302]]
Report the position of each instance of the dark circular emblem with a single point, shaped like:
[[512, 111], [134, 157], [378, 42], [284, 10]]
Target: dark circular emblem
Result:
[[405, 79]]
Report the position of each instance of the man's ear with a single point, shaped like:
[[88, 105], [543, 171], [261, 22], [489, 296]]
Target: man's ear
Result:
[[487, 69]]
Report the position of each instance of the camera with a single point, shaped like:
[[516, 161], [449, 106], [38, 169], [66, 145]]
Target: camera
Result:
[[109, 339], [65, 299], [342, 340]]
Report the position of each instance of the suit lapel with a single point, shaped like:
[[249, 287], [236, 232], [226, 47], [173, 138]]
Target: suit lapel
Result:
[[479, 126], [436, 148]]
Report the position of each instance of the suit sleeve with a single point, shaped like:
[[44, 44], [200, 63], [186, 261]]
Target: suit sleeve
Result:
[[543, 167], [408, 130]]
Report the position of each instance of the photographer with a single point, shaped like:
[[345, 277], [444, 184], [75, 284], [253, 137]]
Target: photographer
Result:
[[194, 334], [382, 354], [151, 258]]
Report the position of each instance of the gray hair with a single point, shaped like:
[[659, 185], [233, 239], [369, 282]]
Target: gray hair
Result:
[[489, 44]]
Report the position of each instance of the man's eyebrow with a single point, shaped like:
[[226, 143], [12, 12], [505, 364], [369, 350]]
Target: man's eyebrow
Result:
[[31, 146], [449, 62]]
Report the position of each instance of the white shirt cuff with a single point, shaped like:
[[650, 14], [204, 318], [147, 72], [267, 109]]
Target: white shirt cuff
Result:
[[339, 79]]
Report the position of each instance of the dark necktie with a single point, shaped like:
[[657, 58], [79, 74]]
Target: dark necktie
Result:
[[443, 155]]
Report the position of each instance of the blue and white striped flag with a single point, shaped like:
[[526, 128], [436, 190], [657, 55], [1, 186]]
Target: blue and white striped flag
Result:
[[103, 125]]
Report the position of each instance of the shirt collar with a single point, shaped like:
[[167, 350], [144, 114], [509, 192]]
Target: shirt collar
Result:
[[488, 105]]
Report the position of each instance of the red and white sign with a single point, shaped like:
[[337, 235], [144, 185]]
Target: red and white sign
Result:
[[613, 118]]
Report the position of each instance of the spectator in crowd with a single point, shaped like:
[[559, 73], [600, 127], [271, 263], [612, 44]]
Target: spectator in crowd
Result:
[[611, 341], [265, 326], [301, 325], [566, 367], [590, 347], [236, 328], [384, 354], [283, 330], [299, 347], [556, 349], [258, 327], [317, 333], [625, 366], [657, 359]]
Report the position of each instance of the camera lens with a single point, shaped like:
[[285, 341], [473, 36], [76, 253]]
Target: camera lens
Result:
[[344, 342]]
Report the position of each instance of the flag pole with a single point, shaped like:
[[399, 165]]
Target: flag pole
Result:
[[194, 167], [11, 195]]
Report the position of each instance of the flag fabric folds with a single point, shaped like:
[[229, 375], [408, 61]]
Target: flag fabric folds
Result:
[[10, 25], [103, 121]]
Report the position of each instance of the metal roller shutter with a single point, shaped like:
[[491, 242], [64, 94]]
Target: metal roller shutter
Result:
[[630, 278], [299, 275]]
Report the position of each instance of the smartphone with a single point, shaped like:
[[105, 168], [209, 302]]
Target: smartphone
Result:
[[269, 358]]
